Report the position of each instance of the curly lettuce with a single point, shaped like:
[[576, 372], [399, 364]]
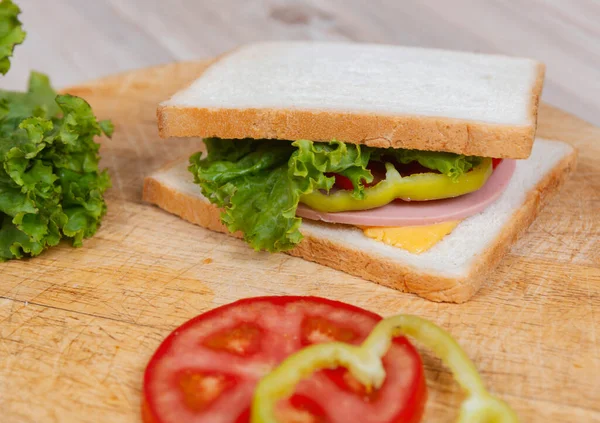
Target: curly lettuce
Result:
[[50, 184], [11, 33], [259, 183]]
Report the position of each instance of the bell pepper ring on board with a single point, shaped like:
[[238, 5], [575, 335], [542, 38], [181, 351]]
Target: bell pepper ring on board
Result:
[[416, 187], [365, 365]]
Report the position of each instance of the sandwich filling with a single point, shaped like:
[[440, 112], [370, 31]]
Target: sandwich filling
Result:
[[267, 186]]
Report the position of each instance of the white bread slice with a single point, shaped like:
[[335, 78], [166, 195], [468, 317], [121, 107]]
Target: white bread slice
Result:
[[378, 95], [453, 270]]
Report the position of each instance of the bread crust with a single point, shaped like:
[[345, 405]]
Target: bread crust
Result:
[[536, 94], [370, 266], [376, 130]]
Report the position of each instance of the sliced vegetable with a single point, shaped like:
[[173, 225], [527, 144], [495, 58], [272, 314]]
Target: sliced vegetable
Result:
[[207, 369], [366, 366], [417, 187]]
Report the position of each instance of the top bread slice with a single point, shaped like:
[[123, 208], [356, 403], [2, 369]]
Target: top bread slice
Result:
[[378, 95]]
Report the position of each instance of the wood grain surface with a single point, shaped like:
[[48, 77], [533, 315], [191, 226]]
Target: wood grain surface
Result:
[[78, 325], [77, 40]]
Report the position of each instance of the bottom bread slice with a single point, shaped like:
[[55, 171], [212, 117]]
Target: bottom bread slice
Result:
[[453, 270]]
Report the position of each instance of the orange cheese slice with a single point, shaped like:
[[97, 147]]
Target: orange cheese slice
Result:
[[414, 239]]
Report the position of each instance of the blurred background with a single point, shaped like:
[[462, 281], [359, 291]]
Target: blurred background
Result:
[[78, 40]]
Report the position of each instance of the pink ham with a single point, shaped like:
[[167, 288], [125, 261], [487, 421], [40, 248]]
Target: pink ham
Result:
[[403, 213]]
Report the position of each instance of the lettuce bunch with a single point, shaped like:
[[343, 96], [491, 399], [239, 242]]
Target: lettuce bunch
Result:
[[258, 183], [50, 184]]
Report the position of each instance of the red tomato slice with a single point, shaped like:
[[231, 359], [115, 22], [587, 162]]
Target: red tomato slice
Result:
[[207, 369], [495, 163]]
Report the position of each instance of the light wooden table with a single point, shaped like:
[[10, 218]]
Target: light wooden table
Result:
[[78, 40]]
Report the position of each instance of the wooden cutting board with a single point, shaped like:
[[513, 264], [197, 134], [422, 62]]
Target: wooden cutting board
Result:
[[79, 325]]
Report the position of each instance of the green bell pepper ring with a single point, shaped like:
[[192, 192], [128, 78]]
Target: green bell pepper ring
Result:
[[364, 363], [417, 187]]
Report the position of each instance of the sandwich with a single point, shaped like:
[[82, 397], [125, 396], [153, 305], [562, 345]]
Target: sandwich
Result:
[[413, 168]]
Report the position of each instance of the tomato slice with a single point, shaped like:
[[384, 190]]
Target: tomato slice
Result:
[[207, 369], [495, 163]]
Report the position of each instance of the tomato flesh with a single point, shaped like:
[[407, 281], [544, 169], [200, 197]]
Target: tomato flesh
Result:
[[342, 182], [315, 329], [243, 340], [201, 389], [207, 369]]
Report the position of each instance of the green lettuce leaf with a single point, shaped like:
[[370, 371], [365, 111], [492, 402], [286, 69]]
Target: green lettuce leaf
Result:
[[38, 100], [259, 183], [11, 33], [312, 161]]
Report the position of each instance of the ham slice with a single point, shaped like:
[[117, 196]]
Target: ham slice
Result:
[[405, 213]]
